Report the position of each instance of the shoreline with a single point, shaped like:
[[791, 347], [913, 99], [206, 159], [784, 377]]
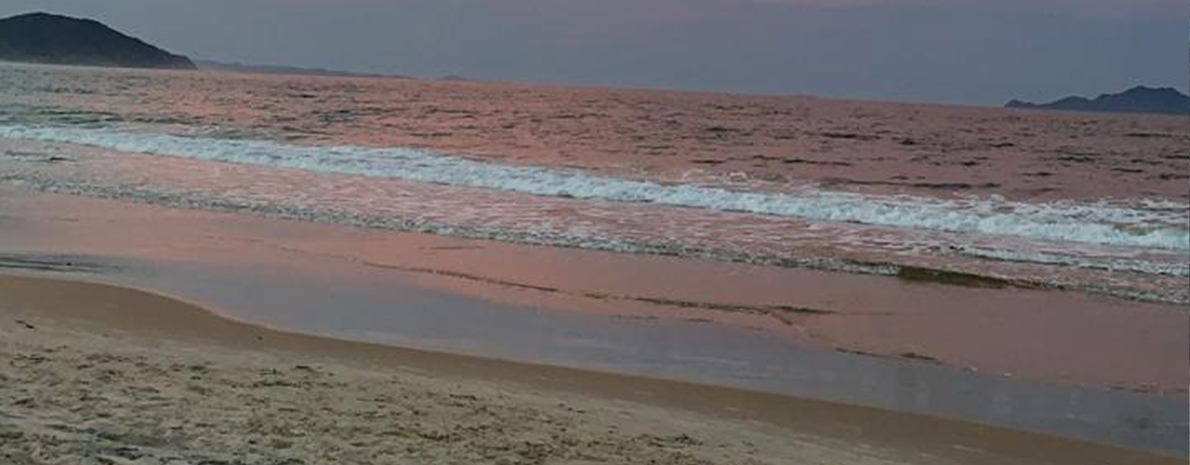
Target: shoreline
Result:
[[411, 272], [836, 185], [529, 304], [994, 270], [840, 265], [133, 317], [803, 307]]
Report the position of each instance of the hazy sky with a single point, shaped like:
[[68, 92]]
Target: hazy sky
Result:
[[962, 51]]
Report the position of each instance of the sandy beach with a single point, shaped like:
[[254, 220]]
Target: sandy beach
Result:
[[445, 295], [193, 279], [722, 232], [100, 374], [225, 261]]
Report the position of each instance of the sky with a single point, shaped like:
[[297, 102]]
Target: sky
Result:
[[944, 51]]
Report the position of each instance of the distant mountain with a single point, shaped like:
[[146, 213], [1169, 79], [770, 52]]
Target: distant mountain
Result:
[[277, 69], [1138, 99], [55, 39]]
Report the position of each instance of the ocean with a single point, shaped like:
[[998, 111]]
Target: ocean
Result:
[[1090, 202]]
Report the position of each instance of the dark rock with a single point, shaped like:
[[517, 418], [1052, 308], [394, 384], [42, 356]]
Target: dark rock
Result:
[[1140, 99], [55, 39]]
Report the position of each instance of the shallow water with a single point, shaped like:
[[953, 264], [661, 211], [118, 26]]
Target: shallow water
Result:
[[411, 317], [436, 293], [1091, 202], [390, 308], [1096, 203]]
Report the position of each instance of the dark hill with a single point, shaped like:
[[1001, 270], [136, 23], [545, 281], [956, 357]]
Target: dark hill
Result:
[[55, 39], [1138, 99]]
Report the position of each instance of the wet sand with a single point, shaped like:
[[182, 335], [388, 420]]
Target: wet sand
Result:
[[100, 373], [995, 349], [590, 310], [1104, 342]]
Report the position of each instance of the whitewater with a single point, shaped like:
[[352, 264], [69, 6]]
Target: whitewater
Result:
[[1102, 222]]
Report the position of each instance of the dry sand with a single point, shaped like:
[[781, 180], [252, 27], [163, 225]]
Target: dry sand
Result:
[[98, 374]]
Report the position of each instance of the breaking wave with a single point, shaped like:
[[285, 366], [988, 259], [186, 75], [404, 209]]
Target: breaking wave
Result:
[[1068, 221]]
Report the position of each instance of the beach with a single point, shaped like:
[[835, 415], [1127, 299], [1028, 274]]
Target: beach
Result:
[[108, 354], [543, 303], [206, 268], [99, 374]]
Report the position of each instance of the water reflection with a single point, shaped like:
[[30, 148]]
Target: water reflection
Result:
[[387, 311]]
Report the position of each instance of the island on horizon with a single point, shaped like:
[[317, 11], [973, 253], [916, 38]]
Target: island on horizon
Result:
[[250, 68], [62, 40], [1139, 99]]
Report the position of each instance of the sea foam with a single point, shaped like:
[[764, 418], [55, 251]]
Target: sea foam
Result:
[[1067, 221]]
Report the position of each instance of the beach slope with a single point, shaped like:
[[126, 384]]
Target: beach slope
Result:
[[92, 373]]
